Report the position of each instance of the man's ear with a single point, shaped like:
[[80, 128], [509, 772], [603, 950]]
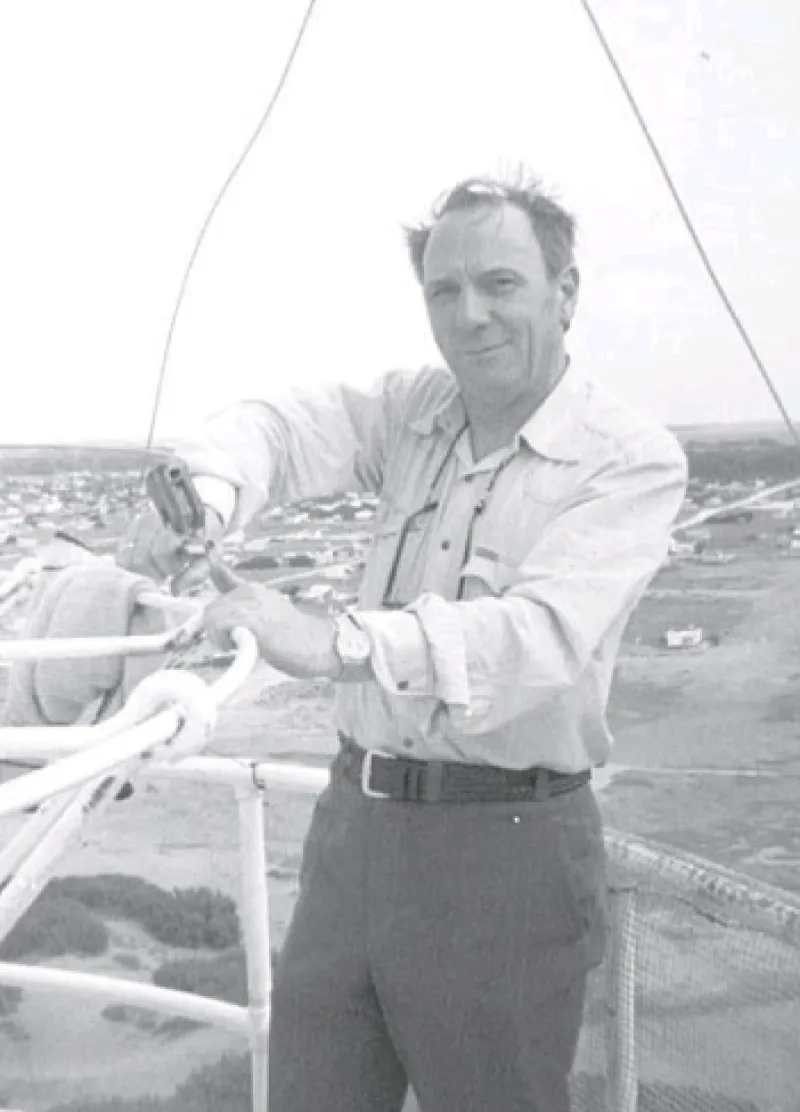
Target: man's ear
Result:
[[568, 286]]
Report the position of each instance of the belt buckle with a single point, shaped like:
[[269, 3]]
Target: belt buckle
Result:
[[366, 774]]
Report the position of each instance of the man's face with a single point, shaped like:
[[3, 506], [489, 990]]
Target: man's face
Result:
[[495, 315]]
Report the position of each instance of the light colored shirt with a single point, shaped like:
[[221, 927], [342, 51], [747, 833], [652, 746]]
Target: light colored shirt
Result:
[[575, 523]]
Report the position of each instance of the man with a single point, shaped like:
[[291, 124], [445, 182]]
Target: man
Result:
[[453, 881]]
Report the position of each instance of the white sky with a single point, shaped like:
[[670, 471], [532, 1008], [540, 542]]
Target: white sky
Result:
[[120, 121]]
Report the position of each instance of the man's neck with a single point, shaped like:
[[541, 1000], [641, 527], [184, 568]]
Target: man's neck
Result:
[[491, 430]]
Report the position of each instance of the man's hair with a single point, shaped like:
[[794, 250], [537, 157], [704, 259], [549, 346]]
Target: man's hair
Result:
[[552, 225]]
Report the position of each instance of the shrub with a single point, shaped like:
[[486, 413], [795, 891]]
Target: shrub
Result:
[[150, 1021], [222, 977], [53, 926], [115, 894], [190, 917], [201, 917]]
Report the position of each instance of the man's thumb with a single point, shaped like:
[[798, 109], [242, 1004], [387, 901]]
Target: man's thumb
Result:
[[222, 577]]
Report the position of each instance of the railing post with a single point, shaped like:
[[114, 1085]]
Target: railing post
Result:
[[255, 906], [620, 997]]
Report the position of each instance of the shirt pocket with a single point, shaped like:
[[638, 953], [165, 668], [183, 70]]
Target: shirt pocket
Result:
[[518, 519]]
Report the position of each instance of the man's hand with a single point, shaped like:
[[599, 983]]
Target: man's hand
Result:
[[148, 547], [302, 645]]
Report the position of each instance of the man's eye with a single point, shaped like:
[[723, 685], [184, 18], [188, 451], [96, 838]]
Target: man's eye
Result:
[[502, 285]]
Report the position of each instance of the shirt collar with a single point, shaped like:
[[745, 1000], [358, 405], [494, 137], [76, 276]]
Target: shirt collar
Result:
[[550, 431]]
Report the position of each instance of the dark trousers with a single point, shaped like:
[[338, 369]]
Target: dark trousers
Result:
[[445, 946]]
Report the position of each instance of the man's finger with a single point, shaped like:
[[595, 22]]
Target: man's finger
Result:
[[222, 577], [193, 575]]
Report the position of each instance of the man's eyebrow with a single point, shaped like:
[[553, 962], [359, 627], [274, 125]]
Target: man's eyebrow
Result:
[[500, 269], [440, 282]]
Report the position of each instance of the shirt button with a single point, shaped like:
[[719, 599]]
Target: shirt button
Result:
[[408, 743], [445, 545]]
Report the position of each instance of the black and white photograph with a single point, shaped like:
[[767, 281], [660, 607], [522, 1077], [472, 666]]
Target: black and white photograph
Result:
[[399, 556]]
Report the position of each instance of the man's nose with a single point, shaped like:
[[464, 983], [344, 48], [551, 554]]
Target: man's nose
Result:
[[473, 309]]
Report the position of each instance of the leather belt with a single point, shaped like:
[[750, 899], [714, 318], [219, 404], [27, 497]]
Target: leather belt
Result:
[[407, 780]]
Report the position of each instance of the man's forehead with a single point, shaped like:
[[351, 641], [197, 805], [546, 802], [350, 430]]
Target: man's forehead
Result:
[[484, 236]]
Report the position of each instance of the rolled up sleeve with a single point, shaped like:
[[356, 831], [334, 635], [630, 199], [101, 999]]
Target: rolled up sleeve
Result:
[[492, 659], [399, 657]]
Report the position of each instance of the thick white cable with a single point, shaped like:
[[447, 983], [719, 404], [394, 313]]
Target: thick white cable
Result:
[[26, 862], [75, 648], [28, 790], [165, 706]]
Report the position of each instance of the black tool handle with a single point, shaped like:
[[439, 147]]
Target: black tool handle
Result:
[[172, 492]]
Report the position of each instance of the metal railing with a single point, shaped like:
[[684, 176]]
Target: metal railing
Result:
[[160, 732]]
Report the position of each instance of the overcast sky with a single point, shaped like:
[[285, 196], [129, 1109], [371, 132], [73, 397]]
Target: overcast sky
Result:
[[120, 121]]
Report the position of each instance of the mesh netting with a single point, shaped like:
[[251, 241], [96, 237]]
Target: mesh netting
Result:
[[716, 997], [716, 983]]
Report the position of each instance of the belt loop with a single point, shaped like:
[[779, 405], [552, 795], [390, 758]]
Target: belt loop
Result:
[[541, 785], [346, 756], [432, 792]]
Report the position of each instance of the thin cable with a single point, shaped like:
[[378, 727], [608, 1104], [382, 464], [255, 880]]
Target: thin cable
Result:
[[213, 210], [688, 222]]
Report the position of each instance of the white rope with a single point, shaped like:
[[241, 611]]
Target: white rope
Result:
[[62, 648], [153, 721], [168, 717]]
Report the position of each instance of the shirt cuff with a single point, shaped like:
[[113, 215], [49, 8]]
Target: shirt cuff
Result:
[[444, 633], [217, 494], [399, 655]]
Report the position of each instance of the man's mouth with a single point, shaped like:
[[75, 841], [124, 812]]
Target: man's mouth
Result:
[[489, 349]]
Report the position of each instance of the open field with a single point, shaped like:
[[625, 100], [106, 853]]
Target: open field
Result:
[[706, 759]]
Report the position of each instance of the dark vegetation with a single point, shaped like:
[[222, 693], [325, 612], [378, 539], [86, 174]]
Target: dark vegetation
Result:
[[222, 977], [53, 926], [150, 1022], [68, 917], [742, 460], [190, 917]]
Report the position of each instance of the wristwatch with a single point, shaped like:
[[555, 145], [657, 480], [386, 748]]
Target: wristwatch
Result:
[[351, 643]]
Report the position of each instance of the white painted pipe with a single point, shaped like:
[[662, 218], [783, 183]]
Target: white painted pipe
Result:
[[232, 1017]]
